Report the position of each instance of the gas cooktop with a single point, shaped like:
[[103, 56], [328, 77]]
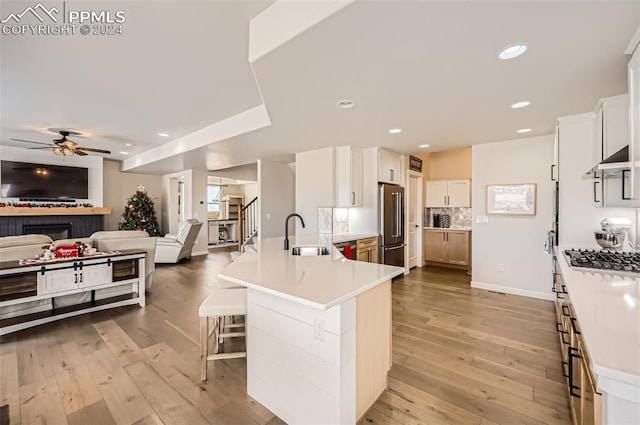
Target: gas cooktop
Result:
[[604, 260]]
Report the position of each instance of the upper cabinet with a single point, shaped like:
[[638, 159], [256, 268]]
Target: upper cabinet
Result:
[[611, 127], [348, 176], [389, 167], [634, 117], [448, 193]]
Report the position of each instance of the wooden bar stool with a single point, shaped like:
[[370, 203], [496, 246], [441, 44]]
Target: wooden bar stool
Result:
[[220, 305]]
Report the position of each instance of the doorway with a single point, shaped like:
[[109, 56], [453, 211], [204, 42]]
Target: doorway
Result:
[[414, 219]]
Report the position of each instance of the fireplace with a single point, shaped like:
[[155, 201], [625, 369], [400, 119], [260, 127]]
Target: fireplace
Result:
[[54, 230]]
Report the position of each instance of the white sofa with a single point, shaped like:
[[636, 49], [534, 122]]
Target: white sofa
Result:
[[173, 248]]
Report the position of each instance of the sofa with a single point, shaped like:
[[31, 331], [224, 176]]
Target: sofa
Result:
[[173, 248], [13, 248]]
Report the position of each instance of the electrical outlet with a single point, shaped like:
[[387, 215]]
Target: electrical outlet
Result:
[[318, 329], [500, 267], [482, 219], [268, 216]]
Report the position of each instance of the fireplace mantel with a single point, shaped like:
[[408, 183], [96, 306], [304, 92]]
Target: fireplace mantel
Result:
[[25, 211]]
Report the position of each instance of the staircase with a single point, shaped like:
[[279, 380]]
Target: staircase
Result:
[[247, 223]]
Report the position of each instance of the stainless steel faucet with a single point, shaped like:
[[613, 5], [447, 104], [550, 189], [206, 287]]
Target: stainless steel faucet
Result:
[[286, 229]]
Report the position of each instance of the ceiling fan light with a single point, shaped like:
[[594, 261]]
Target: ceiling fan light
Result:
[[58, 150]]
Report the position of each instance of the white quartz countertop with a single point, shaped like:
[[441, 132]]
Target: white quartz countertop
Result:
[[607, 306], [320, 281], [465, 228]]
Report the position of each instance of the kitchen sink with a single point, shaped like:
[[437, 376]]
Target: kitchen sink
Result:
[[309, 250]]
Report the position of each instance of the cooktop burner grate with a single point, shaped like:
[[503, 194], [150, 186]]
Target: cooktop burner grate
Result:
[[604, 260]]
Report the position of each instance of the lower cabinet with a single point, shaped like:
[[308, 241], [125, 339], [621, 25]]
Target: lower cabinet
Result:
[[367, 250], [585, 399], [447, 247]]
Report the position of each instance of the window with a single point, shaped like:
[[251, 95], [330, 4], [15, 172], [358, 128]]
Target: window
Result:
[[215, 208]]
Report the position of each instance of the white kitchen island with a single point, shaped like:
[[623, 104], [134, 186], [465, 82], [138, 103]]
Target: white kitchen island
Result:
[[318, 330]]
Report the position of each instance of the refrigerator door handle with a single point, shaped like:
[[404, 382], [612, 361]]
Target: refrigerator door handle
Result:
[[394, 247]]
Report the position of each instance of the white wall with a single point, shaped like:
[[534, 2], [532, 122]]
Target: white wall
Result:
[[578, 217], [276, 197], [517, 242], [199, 209], [249, 191], [314, 186], [93, 163], [119, 186], [170, 200]]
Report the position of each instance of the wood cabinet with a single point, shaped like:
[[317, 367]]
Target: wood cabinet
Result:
[[389, 167], [447, 193], [447, 247], [26, 284], [348, 177], [367, 249], [585, 398]]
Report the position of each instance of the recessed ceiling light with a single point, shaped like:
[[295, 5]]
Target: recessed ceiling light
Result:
[[512, 51], [423, 146], [124, 153], [128, 144], [522, 104], [163, 134], [345, 104], [524, 130], [395, 131]]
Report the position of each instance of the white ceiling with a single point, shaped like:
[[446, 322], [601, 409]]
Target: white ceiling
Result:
[[428, 67]]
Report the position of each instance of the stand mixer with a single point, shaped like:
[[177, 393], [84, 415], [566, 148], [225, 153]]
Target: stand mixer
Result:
[[613, 234]]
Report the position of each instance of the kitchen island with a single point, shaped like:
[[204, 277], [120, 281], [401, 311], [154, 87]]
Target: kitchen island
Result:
[[318, 330], [601, 310]]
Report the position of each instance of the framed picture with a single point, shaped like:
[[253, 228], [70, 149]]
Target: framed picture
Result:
[[415, 164], [516, 199]]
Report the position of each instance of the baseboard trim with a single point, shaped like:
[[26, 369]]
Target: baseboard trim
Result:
[[195, 254], [513, 291]]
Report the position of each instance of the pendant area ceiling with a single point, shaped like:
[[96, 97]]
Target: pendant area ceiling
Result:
[[430, 68]]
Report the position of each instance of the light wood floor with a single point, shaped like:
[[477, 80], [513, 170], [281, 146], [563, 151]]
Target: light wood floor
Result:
[[461, 356]]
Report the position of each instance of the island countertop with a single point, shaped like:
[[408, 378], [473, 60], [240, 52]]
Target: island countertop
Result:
[[606, 306], [320, 281]]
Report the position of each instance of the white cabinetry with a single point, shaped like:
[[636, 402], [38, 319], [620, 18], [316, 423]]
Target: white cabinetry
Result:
[[389, 167], [348, 176], [634, 117], [74, 278], [448, 193], [611, 127]]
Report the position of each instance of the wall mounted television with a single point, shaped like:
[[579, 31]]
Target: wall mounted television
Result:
[[31, 181]]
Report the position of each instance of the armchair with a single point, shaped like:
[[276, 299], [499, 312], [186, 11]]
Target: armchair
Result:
[[173, 248]]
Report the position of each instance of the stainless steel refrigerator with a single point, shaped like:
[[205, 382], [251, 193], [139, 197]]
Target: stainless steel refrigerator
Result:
[[391, 224]]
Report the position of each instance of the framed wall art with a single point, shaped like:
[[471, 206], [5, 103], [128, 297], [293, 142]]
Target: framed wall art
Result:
[[415, 164], [514, 199]]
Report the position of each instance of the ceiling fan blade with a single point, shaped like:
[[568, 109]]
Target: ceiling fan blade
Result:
[[30, 141], [79, 152], [93, 150]]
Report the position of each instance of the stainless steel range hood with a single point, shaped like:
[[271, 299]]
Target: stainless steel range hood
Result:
[[612, 166]]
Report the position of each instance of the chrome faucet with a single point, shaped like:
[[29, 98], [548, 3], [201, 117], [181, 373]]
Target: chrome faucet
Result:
[[286, 229]]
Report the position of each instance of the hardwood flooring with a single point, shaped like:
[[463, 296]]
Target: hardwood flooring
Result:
[[460, 356]]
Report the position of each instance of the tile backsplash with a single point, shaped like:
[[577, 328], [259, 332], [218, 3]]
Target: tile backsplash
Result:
[[333, 220], [459, 216]]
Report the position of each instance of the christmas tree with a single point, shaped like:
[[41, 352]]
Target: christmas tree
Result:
[[139, 213]]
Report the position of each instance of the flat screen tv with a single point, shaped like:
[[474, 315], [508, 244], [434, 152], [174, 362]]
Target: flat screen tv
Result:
[[43, 181]]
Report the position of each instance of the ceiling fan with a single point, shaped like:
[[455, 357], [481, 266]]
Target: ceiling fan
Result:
[[64, 146]]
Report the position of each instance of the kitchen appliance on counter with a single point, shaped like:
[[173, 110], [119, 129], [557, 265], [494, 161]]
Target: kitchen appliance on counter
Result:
[[603, 260], [437, 220], [614, 232], [391, 224]]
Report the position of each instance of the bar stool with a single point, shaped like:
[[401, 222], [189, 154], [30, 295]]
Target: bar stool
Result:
[[220, 305]]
